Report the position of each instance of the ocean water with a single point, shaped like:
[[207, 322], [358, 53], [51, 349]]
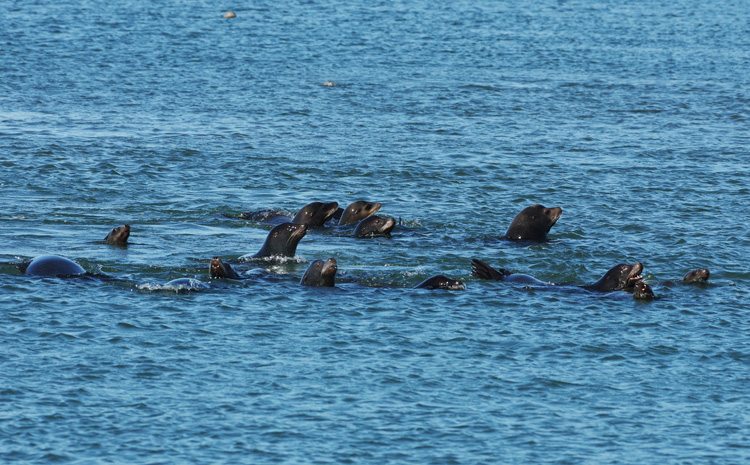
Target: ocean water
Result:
[[455, 115]]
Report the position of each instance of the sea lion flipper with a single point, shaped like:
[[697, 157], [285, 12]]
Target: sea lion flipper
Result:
[[482, 270]]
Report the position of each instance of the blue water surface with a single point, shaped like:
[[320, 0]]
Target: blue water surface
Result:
[[631, 116]]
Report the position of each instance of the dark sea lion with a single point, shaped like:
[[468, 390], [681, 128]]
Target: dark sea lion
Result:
[[621, 277], [281, 241], [483, 270], [265, 216], [220, 270], [374, 226], [315, 214], [118, 236], [52, 265], [441, 282], [699, 275], [320, 273], [357, 211], [533, 223], [642, 291]]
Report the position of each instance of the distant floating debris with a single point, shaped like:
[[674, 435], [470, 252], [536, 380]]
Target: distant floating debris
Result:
[[230, 14], [329, 84]]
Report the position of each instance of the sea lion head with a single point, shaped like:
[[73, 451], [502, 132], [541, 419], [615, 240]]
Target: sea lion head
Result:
[[621, 277], [642, 291], [359, 210], [533, 223], [315, 214], [699, 275], [282, 240], [320, 273], [220, 270], [118, 235], [375, 226]]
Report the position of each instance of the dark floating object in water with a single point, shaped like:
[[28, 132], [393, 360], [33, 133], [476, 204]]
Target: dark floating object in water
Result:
[[52, 265], [441, 282]]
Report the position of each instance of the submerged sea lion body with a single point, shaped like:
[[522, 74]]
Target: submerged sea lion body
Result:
[[357, 211], [52, 265], [281, 241], [320, 274], [621, 277], [314, 215], [441, 282], [375, 225], [533, 223], [118, 236]]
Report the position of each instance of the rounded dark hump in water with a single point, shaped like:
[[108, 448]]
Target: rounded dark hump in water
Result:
[[53, 265], [441, 282], [533, 223]]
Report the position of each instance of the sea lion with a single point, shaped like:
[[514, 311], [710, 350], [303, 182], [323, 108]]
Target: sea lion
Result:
[[697, 276], [52, 265], [642, 291], [357, 211], [281, 241], [264, 216], [621, 277], [375, 226], [118, 236], [441, 282], [220, 270], [320, 273], [315, 214], [533, 223]]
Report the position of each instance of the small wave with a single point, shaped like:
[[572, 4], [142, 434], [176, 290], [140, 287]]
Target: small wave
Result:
[[176, 285]]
